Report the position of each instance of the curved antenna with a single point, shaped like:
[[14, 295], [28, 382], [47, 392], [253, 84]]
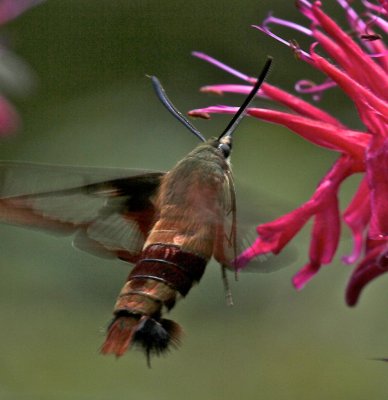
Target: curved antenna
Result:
[[243, 109], [162, 96]]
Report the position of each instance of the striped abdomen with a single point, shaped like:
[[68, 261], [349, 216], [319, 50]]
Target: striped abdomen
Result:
[[162, 273]]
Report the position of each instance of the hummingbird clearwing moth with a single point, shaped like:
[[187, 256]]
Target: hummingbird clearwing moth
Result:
[[168, 224]]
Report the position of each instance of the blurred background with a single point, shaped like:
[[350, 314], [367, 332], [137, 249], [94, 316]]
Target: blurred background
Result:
[[91, 104]]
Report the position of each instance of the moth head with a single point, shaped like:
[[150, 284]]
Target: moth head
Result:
[[225, 146]]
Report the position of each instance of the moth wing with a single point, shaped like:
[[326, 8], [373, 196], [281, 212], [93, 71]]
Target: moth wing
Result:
[[234, 235], [225, 247], [110, 211]]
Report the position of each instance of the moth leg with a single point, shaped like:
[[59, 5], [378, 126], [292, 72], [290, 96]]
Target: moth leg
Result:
[[228, 292]]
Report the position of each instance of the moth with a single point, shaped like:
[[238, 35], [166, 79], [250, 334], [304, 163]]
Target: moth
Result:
[[168, 224]]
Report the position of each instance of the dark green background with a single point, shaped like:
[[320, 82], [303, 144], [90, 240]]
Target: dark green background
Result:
[[93, 105]]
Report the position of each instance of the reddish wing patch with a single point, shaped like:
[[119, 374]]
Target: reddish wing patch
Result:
[[111, 218]]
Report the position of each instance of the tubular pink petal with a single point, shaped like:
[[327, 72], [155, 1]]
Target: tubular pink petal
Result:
[[283, 22], [380, 22], [380, 55], [221, 109], [377, 174], [305, 7], [271, 34], [326, 232], [220, 65], [374, 76], [354, 20], [335, 51], [10, 9], [377, 124], [359, 280], [384, 6], [300, 53], [9, 119], [351, 87], [376, 48], [359, 26], [304, 275], [269, 91], [357, 216], [247, 255], [320, 133], [365, 272], [230, 88], [373, 7], [316, 90], [298, 105], [326, 228], [275, 235]]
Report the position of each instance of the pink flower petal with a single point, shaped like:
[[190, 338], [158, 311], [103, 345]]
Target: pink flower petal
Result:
[[358, 25], [384, 6], [305, 86], [229, 88], [220, 65], [326, 232], [374, 7], [336, 52], [357, 216], [324, 243], [275, 235], [9, 119], [370, 268], [377, 173], [298, 105], [10, 9], [269, 91], [359, 94], [368, 72], [304, 275], [320, 133]]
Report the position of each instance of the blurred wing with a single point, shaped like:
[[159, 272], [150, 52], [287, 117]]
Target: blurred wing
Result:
[[234, 236], [225, 248], [110, 211]]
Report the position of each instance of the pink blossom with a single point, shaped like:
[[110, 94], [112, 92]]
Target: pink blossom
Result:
[[359, 68], [10, 9]]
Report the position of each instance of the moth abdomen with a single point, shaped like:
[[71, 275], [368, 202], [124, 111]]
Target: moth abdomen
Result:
[[170, 264], [163, 272]]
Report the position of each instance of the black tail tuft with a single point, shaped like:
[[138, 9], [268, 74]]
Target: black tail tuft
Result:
[[152, 335], [156, 336]]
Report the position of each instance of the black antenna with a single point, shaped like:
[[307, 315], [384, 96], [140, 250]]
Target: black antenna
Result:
[[242, 110], [160, 92]]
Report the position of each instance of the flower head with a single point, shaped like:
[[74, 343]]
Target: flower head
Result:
[[360, 69], [14, 75]]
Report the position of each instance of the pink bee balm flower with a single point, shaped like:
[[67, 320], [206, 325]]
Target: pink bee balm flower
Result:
[[360, 70], [10, 9]]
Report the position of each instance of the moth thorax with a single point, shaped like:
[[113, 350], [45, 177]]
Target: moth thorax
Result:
[[186, 226]]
